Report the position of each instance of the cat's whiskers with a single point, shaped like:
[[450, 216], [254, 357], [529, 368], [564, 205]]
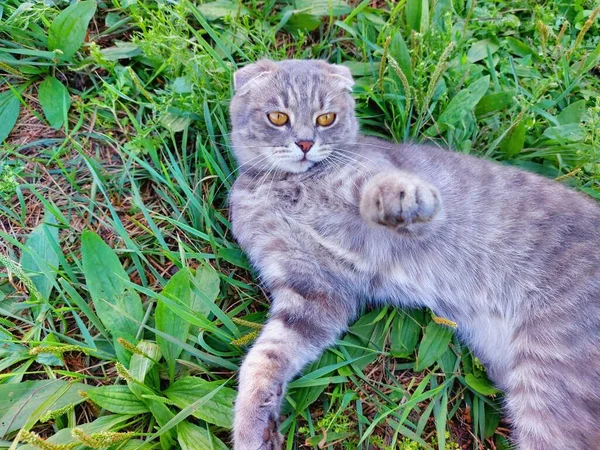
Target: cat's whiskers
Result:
[[349, 157], [337, 160], [264, 178], [239, 169]]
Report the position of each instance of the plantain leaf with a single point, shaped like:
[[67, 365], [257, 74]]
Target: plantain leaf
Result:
[[39, 258], [481, 384], [570, 132], [513, 142], [479, 50], [193, 437], [217, 410], [417, 15], [112, 422], [117, 399], [222, 8], [463, 103], [406, 330], [9, 112], [178, 289], [24, 403], [572, 113], [399, 51], [119, 308], [435, 342], [495, 102], [67, 31], [366, 338], [55, 101]]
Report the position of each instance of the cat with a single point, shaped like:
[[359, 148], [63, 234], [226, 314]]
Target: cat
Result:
[[334, 221]]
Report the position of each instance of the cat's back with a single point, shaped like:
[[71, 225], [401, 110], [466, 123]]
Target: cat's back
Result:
[[486, 187]]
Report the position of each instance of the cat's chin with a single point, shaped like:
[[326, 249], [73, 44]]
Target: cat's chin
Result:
[[298, 166]]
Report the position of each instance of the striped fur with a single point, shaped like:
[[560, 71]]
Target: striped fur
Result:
[[511, 257]]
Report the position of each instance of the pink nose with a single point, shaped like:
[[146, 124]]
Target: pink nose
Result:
[[305, 146]]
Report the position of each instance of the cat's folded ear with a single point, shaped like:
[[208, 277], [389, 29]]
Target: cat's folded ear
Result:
[[243, 78], [342, 75]]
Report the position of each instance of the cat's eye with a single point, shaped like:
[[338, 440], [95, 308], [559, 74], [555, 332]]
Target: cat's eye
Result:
[[326, 119], [278, 118]]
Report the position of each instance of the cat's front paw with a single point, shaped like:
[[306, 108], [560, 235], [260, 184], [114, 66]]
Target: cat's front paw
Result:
[[256, 425], [398, 199]]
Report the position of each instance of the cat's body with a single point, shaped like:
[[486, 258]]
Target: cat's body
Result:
[[512, 258]]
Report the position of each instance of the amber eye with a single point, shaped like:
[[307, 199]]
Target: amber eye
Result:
[[278, 118], [326, 119]]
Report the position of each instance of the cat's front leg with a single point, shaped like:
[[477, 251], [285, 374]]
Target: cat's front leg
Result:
[[397, 199], [297, 332]]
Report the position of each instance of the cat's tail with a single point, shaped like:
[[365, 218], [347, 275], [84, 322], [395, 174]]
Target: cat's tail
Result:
[[553, 396]]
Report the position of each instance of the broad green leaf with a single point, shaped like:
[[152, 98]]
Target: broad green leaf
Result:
[[193, 437], [234, 256], [399, 51], [481, 384], [591, 60], [139, 367], [175, 122], [178, 289], [9, 345], [517, 47], [306, 396], [142, 362], [67, 31], [572, 113], [302, 22], [55, 101], [217, 410], [463, 103], [49, 359], [435, 342], [405, 333], [571, 132], [222, 8], [417, 15], [326, 439], [479, 50], [9, 112], [307, 14], [495, 102], [512, 144], [492, 420], [112, 422], [106, 282], [39, 259], [117, 399], [208, 281], [321, 8], [366, 338], [121, 50], [25, 402]]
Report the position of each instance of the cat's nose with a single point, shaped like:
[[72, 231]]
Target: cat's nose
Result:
[[305, 146]]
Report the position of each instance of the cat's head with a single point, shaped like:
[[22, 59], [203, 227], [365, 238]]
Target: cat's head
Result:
[[290, 115]]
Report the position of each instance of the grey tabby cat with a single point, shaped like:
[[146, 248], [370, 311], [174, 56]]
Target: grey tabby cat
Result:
[[333, 221]]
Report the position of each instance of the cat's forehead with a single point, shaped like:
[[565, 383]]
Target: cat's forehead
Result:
[[298, 84]]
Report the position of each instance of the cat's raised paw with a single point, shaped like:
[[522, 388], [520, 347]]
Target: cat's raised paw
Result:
[[398, 199]]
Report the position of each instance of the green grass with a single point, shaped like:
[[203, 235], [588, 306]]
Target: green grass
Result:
[[125, 304]]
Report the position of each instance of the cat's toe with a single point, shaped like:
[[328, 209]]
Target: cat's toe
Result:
[[428, 203], [273, 439]]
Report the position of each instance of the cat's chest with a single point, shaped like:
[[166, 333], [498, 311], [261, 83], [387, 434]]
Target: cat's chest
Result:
[[327, 218]]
